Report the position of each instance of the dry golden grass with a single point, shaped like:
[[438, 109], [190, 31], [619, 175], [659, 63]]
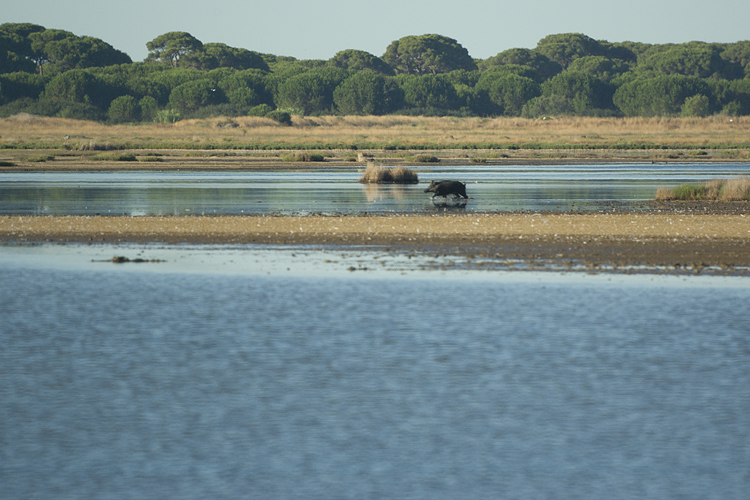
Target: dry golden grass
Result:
[[388, 175], [405, 131], [736, 189], [714, 188], [664, 194]]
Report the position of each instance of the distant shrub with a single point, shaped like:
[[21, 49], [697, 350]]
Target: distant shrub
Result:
[[81, 111], [733, 108], [697, 105], [167, 116], [149, 109], [114, 157], [4, 163], [281, 117], [388, 175], [124, 109], [303, 157], [423, 159], [95, 146], [689, 192], [260, 110], [40, 158]]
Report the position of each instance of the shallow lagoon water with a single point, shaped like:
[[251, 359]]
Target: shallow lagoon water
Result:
[[246, 372], [302, 372], [326, 190]]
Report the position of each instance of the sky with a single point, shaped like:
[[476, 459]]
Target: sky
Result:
[[319, 29]]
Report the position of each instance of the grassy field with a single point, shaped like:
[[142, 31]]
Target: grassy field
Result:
[[28, 139]]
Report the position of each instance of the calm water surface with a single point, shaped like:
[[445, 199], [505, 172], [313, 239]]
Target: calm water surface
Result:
[[236, 372], [491, 187], [221, 375]]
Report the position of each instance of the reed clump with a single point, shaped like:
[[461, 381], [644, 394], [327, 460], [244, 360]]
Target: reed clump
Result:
[[388, 175], [736, 189], [303, 157], [149, 159], [114, 157], [40, 158], [422, 159]]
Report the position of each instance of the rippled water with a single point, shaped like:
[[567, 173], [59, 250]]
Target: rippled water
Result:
[[230, 372], [222, 376], [491, 187]]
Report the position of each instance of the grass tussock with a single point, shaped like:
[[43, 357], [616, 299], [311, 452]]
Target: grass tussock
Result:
[[388, 175], [114, 157], [664, 194], [294, 157], [40, 158], [737, 189], [423, 159]]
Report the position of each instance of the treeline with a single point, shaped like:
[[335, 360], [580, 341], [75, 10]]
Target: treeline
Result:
[[56, 73]]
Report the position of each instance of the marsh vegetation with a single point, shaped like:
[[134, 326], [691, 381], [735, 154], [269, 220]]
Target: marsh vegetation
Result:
[[388, 175], [737, 189], [486, 139]]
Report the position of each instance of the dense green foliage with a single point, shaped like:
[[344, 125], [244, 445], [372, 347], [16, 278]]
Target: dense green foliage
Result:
[[367, 93], [427, 54], [358, 60], [54, 72], [505, 93], [32, 48]]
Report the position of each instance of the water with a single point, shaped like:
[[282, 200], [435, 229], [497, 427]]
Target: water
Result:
[[223, 375], [230, 372], [491, 187]]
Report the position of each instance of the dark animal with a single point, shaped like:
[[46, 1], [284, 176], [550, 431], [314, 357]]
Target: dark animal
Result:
[[444, 188]]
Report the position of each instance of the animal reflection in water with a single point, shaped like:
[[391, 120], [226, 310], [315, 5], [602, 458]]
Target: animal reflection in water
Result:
[[443, 189]]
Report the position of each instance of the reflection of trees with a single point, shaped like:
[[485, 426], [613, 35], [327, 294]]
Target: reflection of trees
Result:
[[375, 192]]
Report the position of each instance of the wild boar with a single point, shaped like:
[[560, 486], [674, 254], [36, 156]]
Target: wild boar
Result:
[[444, 188]]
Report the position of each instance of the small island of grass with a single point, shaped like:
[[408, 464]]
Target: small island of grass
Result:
[[388, 175]]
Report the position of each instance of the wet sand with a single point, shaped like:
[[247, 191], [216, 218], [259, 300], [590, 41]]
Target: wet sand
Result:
[[680, 238]]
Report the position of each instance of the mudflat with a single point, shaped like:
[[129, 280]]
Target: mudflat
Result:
[[680, 237]]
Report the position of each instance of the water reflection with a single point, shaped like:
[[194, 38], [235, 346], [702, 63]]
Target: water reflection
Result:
[[490, 187], [382, 192]]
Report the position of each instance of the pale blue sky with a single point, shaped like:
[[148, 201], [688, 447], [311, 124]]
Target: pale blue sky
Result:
[[318, 29]]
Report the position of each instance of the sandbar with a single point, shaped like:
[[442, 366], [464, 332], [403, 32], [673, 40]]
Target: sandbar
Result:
[[681, 238]]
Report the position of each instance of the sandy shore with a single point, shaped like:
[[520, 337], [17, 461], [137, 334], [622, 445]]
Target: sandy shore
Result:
[[676, 239]]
